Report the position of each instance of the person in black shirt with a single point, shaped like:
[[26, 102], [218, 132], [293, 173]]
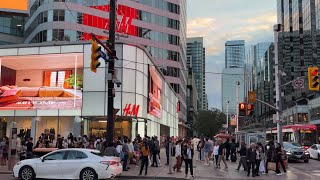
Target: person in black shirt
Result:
[[279, 153], [251, 158], [222, 153], [243, 154], [59, 142], [270, 153], [29, 148], [228, 147]]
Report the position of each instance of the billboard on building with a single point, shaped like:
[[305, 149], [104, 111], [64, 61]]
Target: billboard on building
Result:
[[154, 92], [14, 7], [41, 82]]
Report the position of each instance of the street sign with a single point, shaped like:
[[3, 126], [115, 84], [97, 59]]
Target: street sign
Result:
[[298, 83], [233, 120], [274, 118], [252, 96]]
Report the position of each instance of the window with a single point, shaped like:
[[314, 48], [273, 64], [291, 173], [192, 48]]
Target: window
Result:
[[57, 78], [76, 155], [55, 156]]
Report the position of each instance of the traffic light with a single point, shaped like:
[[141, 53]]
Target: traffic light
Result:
[[95, 55], [250, 108], [242, 109], [313, 78]]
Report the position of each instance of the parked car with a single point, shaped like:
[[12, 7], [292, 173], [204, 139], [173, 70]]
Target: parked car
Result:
[[314, 151], [83, 164], [295, 152]]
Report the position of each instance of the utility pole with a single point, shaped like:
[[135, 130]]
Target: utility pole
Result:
[[110, 77], [227, 116], [276, 30], [237, 97]]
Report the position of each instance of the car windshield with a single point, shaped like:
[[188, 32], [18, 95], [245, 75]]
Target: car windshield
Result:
[[291, 145]]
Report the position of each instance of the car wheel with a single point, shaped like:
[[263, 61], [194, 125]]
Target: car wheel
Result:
[[306, 161], [27, 173], [318, 157], [88, 174]]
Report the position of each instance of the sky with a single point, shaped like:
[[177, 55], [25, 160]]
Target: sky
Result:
[[221, 20]]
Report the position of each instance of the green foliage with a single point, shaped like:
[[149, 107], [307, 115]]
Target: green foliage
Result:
[[209, 123], [72, 82]]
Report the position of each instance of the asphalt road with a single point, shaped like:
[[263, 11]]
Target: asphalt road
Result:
[[312, 168], [301, 170]]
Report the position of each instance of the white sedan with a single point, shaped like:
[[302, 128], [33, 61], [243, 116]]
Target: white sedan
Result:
[[314, 151], [83, 164]]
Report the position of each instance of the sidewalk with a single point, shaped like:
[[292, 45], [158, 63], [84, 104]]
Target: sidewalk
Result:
[[204, 172]]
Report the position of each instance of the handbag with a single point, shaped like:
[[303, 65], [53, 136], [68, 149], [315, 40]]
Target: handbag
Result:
[[261, 167], [272, 166]]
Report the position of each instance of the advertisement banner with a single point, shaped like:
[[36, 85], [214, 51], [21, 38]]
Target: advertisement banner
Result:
[[14, 6], [44, 82], [155, 93]]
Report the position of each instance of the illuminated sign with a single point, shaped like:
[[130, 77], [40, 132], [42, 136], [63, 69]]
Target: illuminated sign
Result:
[[123, 23], [131, 111], [14, 6], [155, 93], [51, 84]]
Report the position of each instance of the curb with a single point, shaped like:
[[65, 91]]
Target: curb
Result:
[[147, 177], [6, 172]]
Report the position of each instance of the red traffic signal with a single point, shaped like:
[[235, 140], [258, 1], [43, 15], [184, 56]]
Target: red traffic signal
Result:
[[250, 108], [242, 109]]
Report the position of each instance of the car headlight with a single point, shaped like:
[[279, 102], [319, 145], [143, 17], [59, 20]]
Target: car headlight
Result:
[[288, 153], [306, 152]]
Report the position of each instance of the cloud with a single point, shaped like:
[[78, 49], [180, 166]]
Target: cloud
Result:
[[200, 27]]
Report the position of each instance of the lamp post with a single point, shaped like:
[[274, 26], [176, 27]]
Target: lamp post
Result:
[[237, 108], [227, 116], [277, 28]]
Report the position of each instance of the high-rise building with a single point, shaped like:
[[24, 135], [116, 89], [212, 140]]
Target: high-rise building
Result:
[[196, 60], [234, 54], [233, 73], [11, 29], [159, 25], [298, 50], [230, 77], [261, 61]]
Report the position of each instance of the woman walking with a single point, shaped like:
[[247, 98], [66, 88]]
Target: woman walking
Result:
[[279, 153], [216, 152], [145, 152], [188, 158]]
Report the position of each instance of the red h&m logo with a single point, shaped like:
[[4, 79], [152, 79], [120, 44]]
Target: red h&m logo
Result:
[[134, 111], [178, 106]]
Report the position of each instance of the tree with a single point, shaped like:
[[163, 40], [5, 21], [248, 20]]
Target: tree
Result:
[[209, 123]]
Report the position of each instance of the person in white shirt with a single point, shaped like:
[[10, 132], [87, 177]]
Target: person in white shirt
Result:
[[18, 143], [131, 151], [216, 152], [178, 157]]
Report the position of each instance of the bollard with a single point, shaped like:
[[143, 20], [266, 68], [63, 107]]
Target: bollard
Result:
[[170, 160]]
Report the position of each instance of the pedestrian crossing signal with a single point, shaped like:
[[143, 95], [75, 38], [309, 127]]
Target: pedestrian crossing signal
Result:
[[242, 109], [313, 78]]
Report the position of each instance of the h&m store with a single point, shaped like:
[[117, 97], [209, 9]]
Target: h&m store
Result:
[[51, 90]]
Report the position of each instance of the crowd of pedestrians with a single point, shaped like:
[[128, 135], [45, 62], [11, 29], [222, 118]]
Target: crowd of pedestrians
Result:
[[146, 152]]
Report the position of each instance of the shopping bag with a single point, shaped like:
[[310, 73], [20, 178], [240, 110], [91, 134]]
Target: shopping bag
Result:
[[261, 167], [272, 166]]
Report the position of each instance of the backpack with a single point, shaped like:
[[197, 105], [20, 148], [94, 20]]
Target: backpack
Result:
[[173, 151]]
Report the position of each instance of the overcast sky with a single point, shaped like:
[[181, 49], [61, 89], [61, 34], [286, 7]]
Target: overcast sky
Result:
[[221, 20]]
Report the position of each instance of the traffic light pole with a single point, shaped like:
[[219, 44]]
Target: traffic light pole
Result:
[[276, 29], [112, 57], [237, 99]]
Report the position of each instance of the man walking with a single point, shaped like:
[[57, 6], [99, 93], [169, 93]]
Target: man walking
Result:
[[125, 150], [251, 159], [222, 153], [243, 154]]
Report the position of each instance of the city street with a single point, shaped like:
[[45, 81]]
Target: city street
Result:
[[296, 170]]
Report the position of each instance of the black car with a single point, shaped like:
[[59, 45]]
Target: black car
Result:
[[295, 152]]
